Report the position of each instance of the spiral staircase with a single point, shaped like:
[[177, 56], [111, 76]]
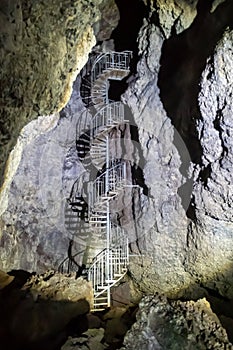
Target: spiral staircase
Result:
[[91, 208]]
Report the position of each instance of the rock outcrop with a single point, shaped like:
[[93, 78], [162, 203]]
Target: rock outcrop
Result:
[[210, 236], [185, 227], [43, 47], [163, 324], [37, 314], [56, 45], [55, 286]]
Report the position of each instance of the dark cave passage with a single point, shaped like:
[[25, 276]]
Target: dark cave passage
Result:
[[117, 88], [183, 60], [125, 34]]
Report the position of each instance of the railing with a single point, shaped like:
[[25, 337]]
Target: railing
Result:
[[68, 265], [107, 184], [107, 117], [117, 236], [83, 123], [110, 60], [79, 189], [107, 267], [92, 135]]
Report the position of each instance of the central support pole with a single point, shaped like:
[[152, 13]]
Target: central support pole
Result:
[[107, 267], [107, 166]]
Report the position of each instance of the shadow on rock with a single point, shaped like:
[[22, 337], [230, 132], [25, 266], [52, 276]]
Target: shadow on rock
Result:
[[29, 324]]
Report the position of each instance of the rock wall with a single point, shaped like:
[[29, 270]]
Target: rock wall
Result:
[[163, 223], [39, 313], [163, 324], [210, 236], [184, 226], [33, 226], [43, 47]]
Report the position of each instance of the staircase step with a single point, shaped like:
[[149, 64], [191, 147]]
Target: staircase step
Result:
[[98, 99], [93, 216], [111, 281], [97, 219], [99, 145], [99, 307], [101, 302], [98, 154], [101, 298]]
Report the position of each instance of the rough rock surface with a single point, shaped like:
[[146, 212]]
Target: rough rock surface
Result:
[[163, 324], [90, 340], [37, 314], [105, 332], [43, 47], [162, 224], [55, 286], [210, 238], [34, 225], [5, 279], [176, 252], [175, 15]]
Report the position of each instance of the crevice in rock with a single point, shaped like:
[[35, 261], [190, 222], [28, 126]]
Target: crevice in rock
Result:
[[205, 174], [183, 60], [217, 125], [222, 307], [137, 170], [125, 34], [117, 88]]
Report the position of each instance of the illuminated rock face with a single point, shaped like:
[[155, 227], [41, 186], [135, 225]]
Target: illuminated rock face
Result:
[[179, 250], [43, 47], [163, 324], [210, 240]]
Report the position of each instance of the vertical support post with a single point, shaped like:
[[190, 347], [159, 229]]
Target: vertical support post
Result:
[[106, 91], [108, 268], [127, 251], [107, 166], [124, 172]]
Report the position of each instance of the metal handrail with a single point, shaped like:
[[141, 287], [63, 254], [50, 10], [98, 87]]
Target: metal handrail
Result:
[[78, 188], [100, 187], [110, 60], [65, 262], [107, 268], [118, 236], [107, 117], [83, 123]]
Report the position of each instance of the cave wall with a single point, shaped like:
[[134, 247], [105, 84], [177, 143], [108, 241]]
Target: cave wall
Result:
[[34, 235], [211, 236], [184, 226], [43, 47], [181, 246]]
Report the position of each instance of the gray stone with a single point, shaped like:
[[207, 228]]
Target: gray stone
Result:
[[171, 325]]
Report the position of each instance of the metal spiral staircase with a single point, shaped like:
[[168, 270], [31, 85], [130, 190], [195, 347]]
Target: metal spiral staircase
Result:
[[111, 65], [108, 254]]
